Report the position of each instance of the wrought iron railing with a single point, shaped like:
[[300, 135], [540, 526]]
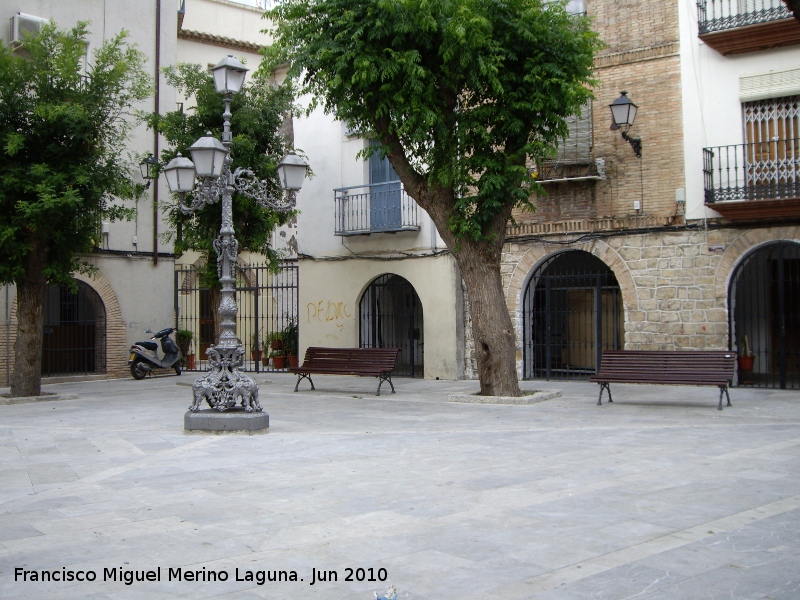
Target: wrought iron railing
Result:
[[755, 171], [375, 208], [718, 15]]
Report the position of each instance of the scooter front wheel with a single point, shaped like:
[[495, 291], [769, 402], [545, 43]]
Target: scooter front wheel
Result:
[[138, 369]]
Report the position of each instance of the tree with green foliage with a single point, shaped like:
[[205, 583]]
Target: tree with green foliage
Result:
[[259, 143], [63, 167], [459, 94], [794, 6]]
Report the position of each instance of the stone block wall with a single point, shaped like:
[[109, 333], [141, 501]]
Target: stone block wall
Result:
[[674, 281]]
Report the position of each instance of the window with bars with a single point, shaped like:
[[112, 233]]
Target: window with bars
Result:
[[772, 140]]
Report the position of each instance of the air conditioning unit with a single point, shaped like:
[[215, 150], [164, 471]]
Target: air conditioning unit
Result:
[[22, 25]]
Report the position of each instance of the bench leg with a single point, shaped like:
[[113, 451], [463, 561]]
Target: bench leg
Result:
[[607, 387], [383, 378], [301, 376], [723, 390]]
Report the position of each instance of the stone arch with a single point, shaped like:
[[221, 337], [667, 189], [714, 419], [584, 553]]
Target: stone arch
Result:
[[116, 328], [116, 340], [526, 266], [742, 246]]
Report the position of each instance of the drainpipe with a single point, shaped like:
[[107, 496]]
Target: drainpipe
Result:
[[155, 133]]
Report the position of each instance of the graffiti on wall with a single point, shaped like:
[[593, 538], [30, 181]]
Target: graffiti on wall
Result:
[[328, 311]]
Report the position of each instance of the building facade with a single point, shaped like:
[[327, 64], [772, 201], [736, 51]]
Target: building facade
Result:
[[89, 333], [695, 244]]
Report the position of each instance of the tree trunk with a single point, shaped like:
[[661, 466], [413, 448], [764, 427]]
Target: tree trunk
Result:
[[26, 378], [492, 329]]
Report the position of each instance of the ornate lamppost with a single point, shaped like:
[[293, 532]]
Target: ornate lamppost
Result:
[[211, 163]]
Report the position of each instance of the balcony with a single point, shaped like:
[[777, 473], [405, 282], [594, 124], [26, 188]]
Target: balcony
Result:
[[753, 181], [737, 26], [376, 208]]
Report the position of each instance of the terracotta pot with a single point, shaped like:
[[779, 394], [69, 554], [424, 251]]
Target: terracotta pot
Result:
[[276, 344], [278, 362], [265, 360], [745, 362], [292, 361], [190, 361], [255, 354]]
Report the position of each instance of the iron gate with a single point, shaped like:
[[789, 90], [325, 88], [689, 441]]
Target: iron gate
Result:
[[267, 302], [74, 341], [765, 316], [390, 315], [572, 312]]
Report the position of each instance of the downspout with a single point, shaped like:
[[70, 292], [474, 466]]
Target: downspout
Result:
[[155, 133]]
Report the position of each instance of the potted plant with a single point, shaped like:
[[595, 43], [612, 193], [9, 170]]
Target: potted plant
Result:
[[291, 341], [745, 358], [183, 338], [255, 350], [278, 359], [274, 340]]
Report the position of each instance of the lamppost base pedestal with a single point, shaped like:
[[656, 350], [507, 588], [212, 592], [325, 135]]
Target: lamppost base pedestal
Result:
[[233, 420]]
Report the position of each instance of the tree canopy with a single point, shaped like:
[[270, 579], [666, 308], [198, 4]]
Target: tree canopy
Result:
[[259, 111], [459, 94], [64, 123], [63, 134]]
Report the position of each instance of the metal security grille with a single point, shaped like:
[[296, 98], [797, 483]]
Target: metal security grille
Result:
[[772, 138], [267, 303], [765, 316], [74, 331], [390, 315], [572, 312]]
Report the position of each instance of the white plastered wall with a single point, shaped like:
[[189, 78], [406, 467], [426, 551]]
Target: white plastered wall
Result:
[[712, 113]]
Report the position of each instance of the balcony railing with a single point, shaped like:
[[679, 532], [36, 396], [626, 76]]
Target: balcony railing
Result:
[[719, 15], [376, 208], [755, 171]]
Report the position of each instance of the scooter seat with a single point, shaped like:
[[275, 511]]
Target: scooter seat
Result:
[[149, 345]]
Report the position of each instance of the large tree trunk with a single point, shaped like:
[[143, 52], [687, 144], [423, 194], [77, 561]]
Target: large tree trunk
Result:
[[26, 378], [492, 329], [479, 263]]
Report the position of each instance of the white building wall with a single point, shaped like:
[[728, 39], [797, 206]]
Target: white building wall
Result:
[[712, 112]]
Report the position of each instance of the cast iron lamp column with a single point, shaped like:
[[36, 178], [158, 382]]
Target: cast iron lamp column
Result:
[[224, 382]]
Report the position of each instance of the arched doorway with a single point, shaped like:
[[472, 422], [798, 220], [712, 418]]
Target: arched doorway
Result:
[[74, 331], [764, 302], [390, 316], [572, 311]]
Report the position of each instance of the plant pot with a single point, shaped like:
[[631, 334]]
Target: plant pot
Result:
[[745, 362], [276, 344], [265, 360], [278, 362], [292, 361], [255, 354], [190, 361]]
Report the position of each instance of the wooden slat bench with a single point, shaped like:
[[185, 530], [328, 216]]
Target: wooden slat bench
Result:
[[679, 367], [375, 362]]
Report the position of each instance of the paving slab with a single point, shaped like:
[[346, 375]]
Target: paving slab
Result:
[[655, 496]]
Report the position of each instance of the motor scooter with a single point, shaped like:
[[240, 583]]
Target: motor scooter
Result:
[[144, 355]]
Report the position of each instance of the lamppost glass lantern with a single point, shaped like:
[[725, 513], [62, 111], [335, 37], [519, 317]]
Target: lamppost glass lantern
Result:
[[208, 154], [180, 174], [623, 111], [229, 75], [292, 171], [147, 167]]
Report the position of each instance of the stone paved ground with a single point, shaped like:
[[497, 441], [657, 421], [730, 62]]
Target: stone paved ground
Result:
[[657, 496]]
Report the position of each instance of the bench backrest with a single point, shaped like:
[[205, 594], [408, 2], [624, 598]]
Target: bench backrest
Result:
[[378, 359], [701, 366]]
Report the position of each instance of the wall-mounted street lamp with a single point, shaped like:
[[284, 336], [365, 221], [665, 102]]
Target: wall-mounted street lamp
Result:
[[148, 168], [623, 113], [211, 164]]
